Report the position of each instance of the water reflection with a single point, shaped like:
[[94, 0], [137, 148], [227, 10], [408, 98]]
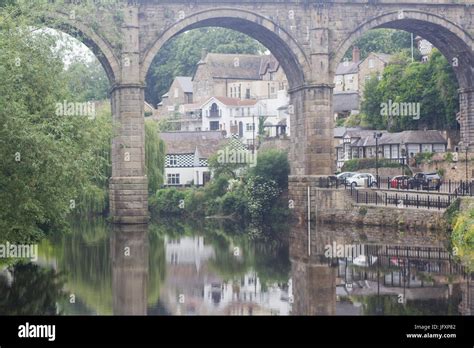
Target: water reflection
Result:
[[356, 271], [175, 268], [129, 246]]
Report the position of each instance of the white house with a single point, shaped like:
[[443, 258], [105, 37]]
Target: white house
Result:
[[187, 154]]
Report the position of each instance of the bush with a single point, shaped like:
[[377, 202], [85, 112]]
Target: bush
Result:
[[261, 194], [463, 238], [366, 163], [273, 165], [169, 201]]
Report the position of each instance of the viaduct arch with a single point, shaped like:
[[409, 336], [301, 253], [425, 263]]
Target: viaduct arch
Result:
[[308, 37]]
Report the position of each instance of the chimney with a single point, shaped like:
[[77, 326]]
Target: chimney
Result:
[[355, 54], [204, 54]]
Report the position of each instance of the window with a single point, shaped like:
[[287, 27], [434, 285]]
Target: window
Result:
[[176, 93], [173, 179], [214, 125], [249, 127], [173, 160], [247, 93], [214, 110], [371, 64]]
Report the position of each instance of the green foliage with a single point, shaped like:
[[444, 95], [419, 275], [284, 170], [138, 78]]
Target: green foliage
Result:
[[180, 55], [34, 291], [273, 165], [167, 201], [261, 194], [382, 40], [432, 84], [423, 157], [154, 156], [462, 238], [355, 165], [87, 80]]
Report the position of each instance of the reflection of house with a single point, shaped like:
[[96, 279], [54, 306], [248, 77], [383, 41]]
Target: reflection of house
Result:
[[395, 146], [193, 286], [187, 154]]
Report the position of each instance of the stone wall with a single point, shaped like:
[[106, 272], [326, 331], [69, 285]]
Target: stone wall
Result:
[[337, 205]]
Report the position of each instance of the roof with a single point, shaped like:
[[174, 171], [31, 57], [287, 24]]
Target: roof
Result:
[[366, 137], [386, 58], [223, 66], [207, 143], [346, 68], [268, 64], [186, 83], [346, 101], [234, 101], [340, 131]]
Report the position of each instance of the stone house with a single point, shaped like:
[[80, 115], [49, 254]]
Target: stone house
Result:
[[239, 76], [180, 92], [187, 154], [373, 65]]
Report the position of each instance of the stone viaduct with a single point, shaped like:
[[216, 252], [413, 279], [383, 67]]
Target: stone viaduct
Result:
[[308, 37]]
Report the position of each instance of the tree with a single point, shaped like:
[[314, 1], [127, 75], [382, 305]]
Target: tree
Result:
[[433, 85], [388, 41], [180, 56], [154, 156]]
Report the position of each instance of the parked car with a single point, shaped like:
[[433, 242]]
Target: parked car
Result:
[[400, 181], [342, 177], [364, 261], [362, 180], [425, 181]]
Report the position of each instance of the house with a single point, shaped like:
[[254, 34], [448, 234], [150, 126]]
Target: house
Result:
[[425, 47], [372, 66], [187, 154], [241, 117], [180, 92], [345, 104], [350, 80], [238, 76], [398, 147]]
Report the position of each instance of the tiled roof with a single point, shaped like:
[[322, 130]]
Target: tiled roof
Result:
[[186, 83], [223, 66], [207, 143], [346, 101], [345, 68]]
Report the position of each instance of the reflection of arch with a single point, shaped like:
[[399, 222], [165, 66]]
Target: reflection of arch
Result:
[[83, 33], [285, 49], [448, 37]]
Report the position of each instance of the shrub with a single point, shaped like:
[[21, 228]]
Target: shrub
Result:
[[261, 194], [463, 238], [366, 163], [169, 201], [273, 165]]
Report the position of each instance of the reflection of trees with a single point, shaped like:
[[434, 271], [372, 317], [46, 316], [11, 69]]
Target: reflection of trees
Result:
[[34, 291]]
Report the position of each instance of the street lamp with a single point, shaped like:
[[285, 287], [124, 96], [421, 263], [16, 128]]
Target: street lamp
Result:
[[377, 136], [467, 162]]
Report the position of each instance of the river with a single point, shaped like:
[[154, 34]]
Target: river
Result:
[[174, 268]]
